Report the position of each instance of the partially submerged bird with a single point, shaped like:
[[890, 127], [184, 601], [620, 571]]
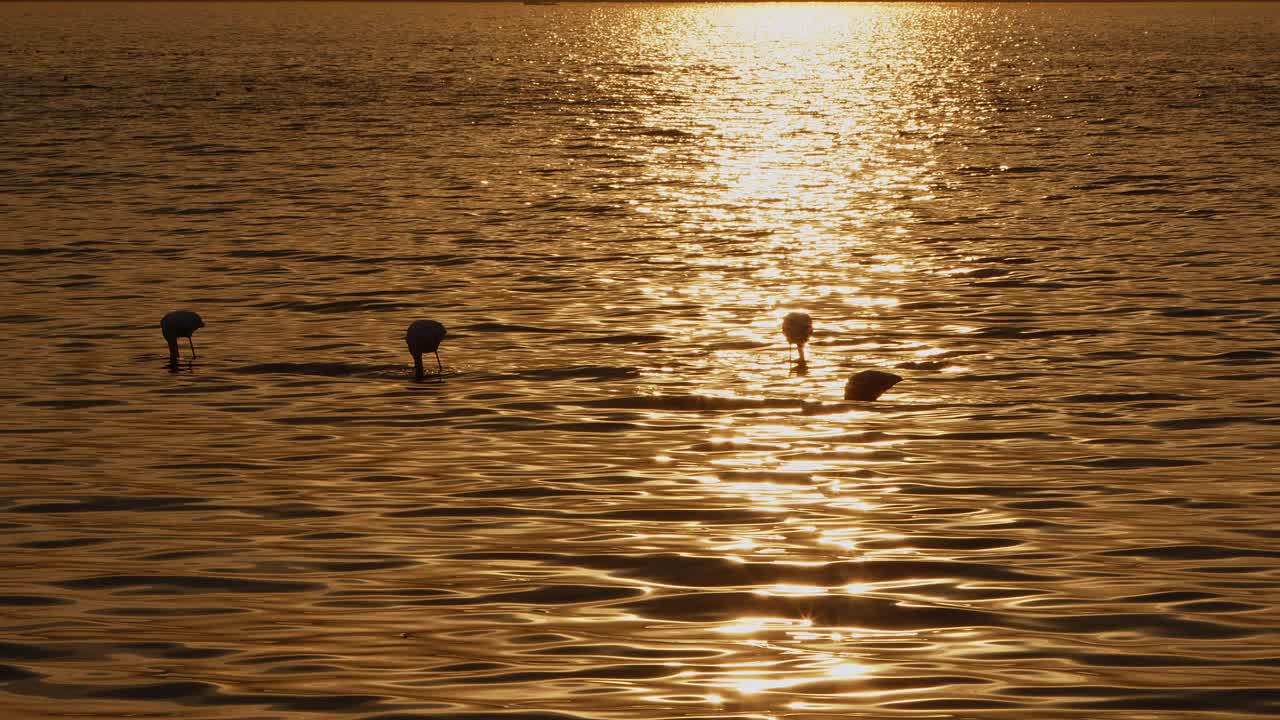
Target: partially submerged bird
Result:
[[798, 327], [424, 336], [179, 324], [869, 384]]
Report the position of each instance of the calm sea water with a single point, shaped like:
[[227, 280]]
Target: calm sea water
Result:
[[1056, 222]]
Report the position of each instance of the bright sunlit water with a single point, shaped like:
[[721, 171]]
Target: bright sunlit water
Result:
[[1056, 222]]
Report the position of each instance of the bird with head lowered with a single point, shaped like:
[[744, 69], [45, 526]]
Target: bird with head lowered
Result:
[[180, 324], [798, 328], [424, 336]]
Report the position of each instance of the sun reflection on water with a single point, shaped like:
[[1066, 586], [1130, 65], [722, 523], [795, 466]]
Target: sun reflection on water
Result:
[[832, 240], [752, 168], [797, 91]]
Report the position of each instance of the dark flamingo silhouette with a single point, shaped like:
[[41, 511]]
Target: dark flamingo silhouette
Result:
[[180, 324], [424, 336]]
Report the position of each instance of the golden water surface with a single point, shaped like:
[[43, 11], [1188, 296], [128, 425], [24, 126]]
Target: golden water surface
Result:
[[620, 500]]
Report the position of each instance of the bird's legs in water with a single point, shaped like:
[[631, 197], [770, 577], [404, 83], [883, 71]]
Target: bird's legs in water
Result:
[[175, 358], [193, 347], [419, 373], [801, 365]]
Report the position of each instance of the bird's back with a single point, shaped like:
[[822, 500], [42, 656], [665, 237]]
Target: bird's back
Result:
[[798, 327], [424, 336], [180, 323]]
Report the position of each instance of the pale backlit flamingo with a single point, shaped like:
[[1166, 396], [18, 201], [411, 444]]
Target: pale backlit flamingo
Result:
[[798, 327]]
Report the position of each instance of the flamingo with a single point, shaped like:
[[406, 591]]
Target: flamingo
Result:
[[178, 324], [424, 336], [869, 384], [798, 327]]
